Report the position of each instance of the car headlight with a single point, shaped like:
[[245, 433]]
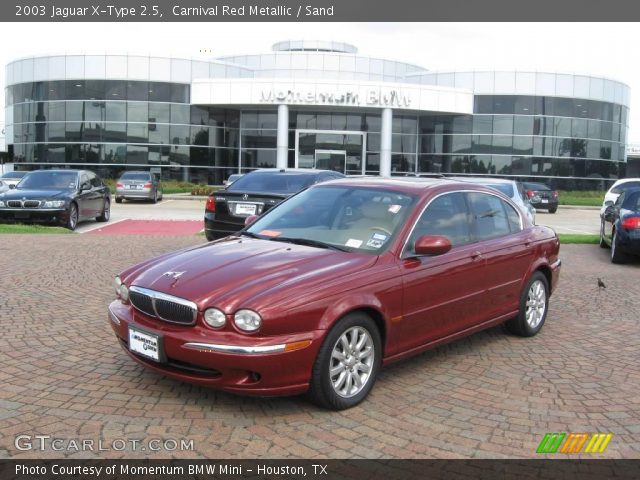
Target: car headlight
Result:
[[124, 293], [247, 320], [53, 204], [116, 283], [214, 318], [2, 205]]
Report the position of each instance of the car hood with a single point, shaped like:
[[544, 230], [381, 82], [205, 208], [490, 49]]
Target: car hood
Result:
[[245, 273], [16, 194]]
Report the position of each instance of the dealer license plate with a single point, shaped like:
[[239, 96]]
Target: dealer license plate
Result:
[[544, 200], [145, 344], [133, 187], [245, 209]]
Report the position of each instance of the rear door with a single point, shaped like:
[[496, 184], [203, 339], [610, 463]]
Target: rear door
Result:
[[499, 237]]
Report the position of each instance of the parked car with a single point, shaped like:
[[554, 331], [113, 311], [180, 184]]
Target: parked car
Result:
[[510, 188], [620, 225], [542, 196], [138, 185], [232, 178], [12, 178], [616, 189], [253, 194], [3, 186], [344, 277], [63, 197]]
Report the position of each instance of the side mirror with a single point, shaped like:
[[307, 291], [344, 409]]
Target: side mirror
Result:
[[608, 203], [432, 245], [85, 186], [250, 219], [12, 186]]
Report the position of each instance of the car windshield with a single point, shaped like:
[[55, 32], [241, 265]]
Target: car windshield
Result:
[[625, 186], [505, 188], [135, 176], [273, 182], [13, 175], [362, 219], [49, 180]]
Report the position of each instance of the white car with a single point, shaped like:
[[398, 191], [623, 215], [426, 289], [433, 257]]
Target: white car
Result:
[[617, 188], [12, 178], [3, 187], [510, 188]]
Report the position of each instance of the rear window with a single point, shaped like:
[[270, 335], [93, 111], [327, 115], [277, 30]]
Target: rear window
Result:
[[269, 182], [135, 176], [625, 186], [536, 186], [505, 188]]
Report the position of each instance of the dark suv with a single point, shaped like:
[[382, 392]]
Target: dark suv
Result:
[[541, 196], [255, 193]]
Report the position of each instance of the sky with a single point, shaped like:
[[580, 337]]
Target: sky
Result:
[[601, 49]]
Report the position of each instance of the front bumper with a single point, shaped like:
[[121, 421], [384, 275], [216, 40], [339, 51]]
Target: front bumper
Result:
[[34, 215], [224, 360]]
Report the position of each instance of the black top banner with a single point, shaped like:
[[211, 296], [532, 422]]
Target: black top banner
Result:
[[317, 10]]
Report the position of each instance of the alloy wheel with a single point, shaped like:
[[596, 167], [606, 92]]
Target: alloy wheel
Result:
[[352, 361], [536, 304]]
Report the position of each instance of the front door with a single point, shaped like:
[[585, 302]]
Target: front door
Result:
[[335, 160]]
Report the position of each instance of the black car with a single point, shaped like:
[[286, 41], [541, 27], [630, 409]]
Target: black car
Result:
[[253, 194], [620, 226], [62, 197], [541, 196]]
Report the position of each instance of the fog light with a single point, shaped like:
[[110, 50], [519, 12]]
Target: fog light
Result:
[[214, 318], [247, 320]]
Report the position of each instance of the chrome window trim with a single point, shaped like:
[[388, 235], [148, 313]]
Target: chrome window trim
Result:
[[404, 251], [235, 348], [154, 295]]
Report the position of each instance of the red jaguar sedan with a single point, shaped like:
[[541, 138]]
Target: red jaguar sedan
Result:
[[320, 292]]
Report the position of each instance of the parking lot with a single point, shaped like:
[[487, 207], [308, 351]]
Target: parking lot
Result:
[[491, 395], [177, 207]]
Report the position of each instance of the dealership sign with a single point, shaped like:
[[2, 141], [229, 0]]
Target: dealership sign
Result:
[[370, 98]]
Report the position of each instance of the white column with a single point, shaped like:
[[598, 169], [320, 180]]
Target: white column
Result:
[[282, 145], [385, 142]]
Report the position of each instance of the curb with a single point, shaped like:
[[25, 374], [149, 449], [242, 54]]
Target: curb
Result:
[[184, 196], [579, 207]]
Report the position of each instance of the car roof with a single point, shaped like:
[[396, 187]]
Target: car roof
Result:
[[59, 170], [410, 185], [486, 180], [292, 170]]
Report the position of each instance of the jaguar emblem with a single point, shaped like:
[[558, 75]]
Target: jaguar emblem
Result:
[[174, 275]]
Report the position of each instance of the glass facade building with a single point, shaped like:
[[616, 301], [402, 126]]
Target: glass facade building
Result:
[[312, 104]]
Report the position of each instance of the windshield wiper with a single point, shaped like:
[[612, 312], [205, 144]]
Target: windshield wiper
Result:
[[310, 243], [250, 234]]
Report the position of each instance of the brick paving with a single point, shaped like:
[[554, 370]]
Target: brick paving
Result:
[[491, 395]]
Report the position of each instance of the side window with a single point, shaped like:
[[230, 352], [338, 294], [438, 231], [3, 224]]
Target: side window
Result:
[[620, 199], [447, 215], [512, 217], [84, 178], [95, 181], [488, 216]]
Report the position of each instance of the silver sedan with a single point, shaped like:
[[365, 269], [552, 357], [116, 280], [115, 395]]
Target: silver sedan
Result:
[[138, 185]]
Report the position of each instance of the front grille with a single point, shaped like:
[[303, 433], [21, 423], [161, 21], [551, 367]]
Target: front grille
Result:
[[162, 306], [15, 203], [31, 203], [176, 312], [142, 302]]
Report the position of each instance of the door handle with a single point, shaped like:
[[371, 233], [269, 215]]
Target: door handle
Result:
[[477, 255]]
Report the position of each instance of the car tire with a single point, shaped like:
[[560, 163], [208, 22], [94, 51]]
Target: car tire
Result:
[[106, 212], [534, 304], [72, 220], [603, 243], [333, 383], [553, 209], [616, 255], [118, 200]]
